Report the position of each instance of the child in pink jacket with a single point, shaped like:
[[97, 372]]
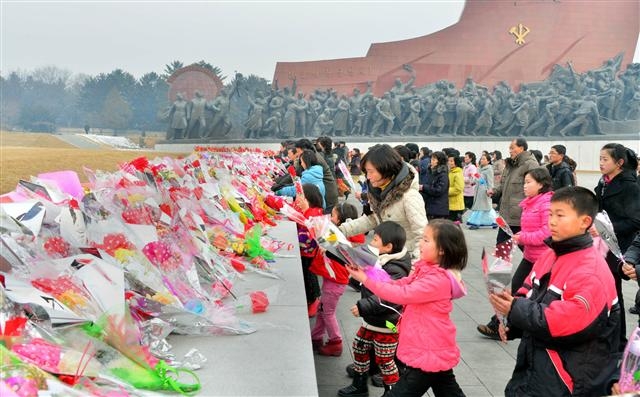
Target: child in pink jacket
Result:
[[427, 342], [534, 221]]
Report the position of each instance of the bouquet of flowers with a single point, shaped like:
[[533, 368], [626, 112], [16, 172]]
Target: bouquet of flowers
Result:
[[347, 176], [18, 378], [125, 359], [497, 269], [630, 368], [216, 319], [604, 226], [56, 359]]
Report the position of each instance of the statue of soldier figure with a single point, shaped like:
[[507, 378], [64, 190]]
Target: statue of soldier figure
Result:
[[196, 111], [220, 124], [177, 118], [341, 117], [585, 116], [412, 123], [385, 116], [566, 103], [253, 124], [301, 107]]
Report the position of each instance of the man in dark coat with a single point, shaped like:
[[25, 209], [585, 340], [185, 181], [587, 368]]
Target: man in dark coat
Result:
[[560, 171]]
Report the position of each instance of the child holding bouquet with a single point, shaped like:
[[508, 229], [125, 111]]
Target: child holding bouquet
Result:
[[343, 212], [427, 342], [534, 220], [566, 312], [334, 281], [311, 205], [377, 315], [340, 214], [535, 229]]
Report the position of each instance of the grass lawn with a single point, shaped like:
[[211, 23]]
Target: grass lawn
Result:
[[23, 155]]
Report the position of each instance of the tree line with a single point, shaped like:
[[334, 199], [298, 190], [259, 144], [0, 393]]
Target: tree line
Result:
[[50, 97]]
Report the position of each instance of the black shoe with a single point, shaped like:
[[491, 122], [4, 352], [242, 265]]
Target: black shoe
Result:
[[634, 310], [488, 331], [358, 388], [376, 380]]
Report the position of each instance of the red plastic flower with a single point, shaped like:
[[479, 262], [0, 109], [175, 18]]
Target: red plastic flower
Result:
[[161, 255], [114, 241], [140, 163], [259, 302], [138, 216], [57, 247]]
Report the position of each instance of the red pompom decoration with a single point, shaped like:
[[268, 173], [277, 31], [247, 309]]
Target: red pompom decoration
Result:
[[259, 302]]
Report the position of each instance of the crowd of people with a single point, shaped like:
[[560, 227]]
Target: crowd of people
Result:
[[565, 302]]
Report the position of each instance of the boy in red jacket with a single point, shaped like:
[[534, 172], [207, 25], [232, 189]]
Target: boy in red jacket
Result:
[[566, 311]]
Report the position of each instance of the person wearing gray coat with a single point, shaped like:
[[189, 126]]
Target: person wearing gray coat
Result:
[[510, 190], [511, 193]]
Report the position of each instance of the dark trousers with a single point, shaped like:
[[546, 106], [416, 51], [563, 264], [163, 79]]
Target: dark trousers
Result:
[[415, 382], [523, 270], [468, 202], [455, 216], [311, 284], [614, 266]]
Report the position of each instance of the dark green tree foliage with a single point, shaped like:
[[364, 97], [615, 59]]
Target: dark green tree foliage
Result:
[[216, 70], [150, 95], [36, 101], [116, 112], [95, 90], [37, 118], [12, 90], [50, 97], [170, 68]]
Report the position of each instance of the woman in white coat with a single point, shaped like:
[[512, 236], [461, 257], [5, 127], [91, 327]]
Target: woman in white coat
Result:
[[393, 196]]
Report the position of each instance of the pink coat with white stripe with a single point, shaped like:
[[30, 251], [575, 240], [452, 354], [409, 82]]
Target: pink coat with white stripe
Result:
[[427, 334], [534, 224]]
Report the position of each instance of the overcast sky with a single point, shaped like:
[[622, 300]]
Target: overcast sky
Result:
[[249, 37]]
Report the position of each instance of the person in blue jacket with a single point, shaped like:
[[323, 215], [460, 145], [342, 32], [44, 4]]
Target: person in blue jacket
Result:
[[312, 172]]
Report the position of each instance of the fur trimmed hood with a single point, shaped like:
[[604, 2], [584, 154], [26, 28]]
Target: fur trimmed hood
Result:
[[380, 200]]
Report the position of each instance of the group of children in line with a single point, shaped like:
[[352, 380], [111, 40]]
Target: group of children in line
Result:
[[406, 320], [417, 301]]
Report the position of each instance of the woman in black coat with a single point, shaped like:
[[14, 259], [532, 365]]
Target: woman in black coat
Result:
[[434, 186], [619, 194]]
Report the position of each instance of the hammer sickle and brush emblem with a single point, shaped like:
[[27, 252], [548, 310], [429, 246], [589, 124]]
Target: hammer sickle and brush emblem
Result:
[[519, 32]]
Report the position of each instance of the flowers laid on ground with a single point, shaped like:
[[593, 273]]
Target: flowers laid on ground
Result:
[[158, 242]]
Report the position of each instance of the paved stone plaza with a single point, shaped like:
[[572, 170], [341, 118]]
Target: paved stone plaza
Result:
[[485, 365]]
